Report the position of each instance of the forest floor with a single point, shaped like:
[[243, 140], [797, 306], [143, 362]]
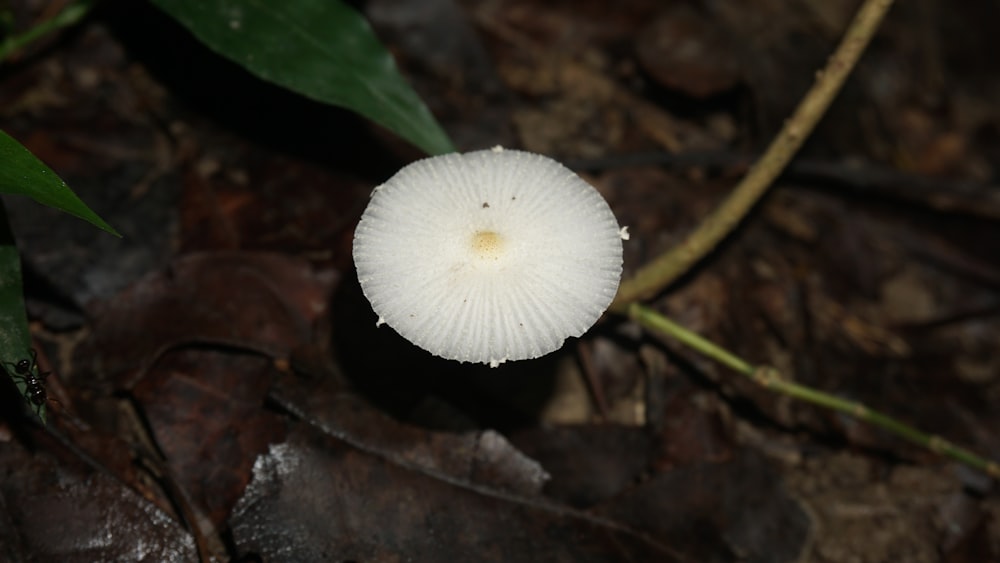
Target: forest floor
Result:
[[219, 386]]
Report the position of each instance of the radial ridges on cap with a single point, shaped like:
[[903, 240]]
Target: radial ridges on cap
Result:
[[488, 256]]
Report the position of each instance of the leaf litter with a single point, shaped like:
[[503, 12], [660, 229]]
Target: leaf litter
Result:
[[223, 394]]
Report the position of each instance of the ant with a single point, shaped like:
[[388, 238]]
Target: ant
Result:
[[34, 385]]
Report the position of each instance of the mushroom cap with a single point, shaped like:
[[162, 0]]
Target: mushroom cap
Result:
[[488, 256]]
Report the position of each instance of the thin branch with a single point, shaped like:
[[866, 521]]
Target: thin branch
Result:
[[662, 271], [771, 379], [69, 16]]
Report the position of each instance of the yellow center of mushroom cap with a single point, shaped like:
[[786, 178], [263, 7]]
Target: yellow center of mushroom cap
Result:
[[487, 245]]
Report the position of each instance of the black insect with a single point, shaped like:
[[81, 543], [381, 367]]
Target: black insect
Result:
[[27, 372]]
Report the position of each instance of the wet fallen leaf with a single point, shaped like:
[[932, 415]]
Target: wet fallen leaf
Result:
[[735, 510], [65, 513], [194, 302], [316, 498], [204, 409]]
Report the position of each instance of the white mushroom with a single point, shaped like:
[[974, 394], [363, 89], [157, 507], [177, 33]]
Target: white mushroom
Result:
[[488, 256]]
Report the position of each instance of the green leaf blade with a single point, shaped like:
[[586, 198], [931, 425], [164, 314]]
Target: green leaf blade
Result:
[[23, 174], [15, 340], [321, 49]]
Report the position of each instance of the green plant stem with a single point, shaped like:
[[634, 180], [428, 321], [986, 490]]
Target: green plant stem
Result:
[[69, 16], [770, 378], [665, 269]]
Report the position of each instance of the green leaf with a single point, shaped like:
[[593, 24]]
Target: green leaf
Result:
[[69, 16], [322, 49], [15, 340], [22, 173]]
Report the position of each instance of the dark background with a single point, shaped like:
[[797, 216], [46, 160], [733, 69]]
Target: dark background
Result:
[[220, 388]]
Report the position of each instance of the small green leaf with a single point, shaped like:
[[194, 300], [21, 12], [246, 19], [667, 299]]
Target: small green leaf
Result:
[[22, 173], [322, 49], [69, 16], [15, 340]]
